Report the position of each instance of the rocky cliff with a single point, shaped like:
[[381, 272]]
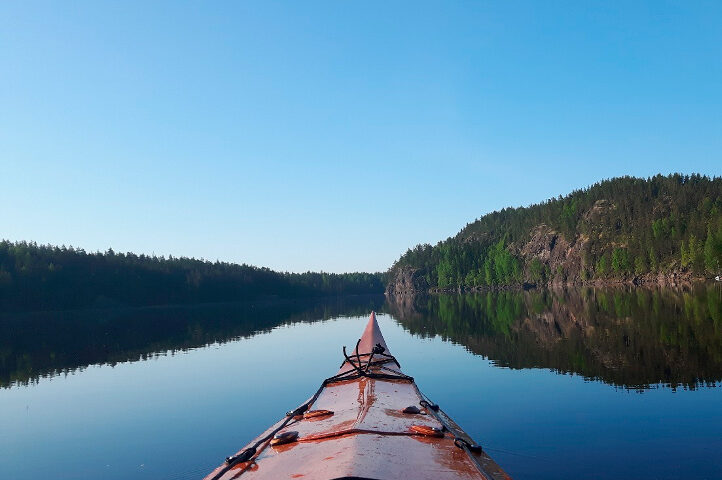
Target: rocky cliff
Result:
[[407, 281]]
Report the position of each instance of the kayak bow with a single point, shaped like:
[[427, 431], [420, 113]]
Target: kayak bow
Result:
[[367, 422]]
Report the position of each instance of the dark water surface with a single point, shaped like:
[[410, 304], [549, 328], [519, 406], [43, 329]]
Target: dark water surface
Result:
[[592, 383]]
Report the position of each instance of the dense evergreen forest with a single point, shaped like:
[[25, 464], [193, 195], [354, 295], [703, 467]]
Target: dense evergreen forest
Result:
[[38, 277], [616, 230]]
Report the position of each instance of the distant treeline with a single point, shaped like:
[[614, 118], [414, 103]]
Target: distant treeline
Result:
[[614, 229], [40, 277]]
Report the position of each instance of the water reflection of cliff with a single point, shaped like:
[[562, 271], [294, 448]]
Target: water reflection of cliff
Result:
[[632, 338], [43, 344]]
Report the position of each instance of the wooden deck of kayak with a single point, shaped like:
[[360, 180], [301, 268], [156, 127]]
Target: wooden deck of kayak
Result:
[[367, 435]]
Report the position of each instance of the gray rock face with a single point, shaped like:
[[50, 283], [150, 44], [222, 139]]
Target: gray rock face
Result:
[[407, 281], [553, 250]]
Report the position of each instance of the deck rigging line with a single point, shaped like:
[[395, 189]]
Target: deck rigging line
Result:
[[359, 370]]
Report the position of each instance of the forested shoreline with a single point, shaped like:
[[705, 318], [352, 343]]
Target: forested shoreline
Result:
[[44, 277], [620, 230]]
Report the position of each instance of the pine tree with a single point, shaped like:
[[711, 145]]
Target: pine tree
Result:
[[602, 266], [652, 259], [710, 255], [620, 260], [696, 257], [684, 255], [640, 265]]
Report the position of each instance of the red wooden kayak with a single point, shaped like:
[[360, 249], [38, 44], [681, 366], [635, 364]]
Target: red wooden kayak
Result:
[[367, 422]]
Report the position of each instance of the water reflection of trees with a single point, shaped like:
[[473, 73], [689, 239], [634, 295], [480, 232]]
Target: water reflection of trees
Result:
[[634, 338], [43, 344]]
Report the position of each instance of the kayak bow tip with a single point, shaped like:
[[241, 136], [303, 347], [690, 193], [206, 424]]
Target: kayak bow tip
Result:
[[371, 336]]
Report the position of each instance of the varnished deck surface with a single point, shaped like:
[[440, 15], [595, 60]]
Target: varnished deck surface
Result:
[[367, 437]]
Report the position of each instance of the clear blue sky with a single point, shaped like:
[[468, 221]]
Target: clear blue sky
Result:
[[333, 136]]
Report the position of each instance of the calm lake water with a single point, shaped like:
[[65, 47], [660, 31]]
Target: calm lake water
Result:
[[554, 384]]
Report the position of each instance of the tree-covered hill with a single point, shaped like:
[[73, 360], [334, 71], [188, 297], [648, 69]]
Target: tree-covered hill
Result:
[[37, 277], [623, 229]]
